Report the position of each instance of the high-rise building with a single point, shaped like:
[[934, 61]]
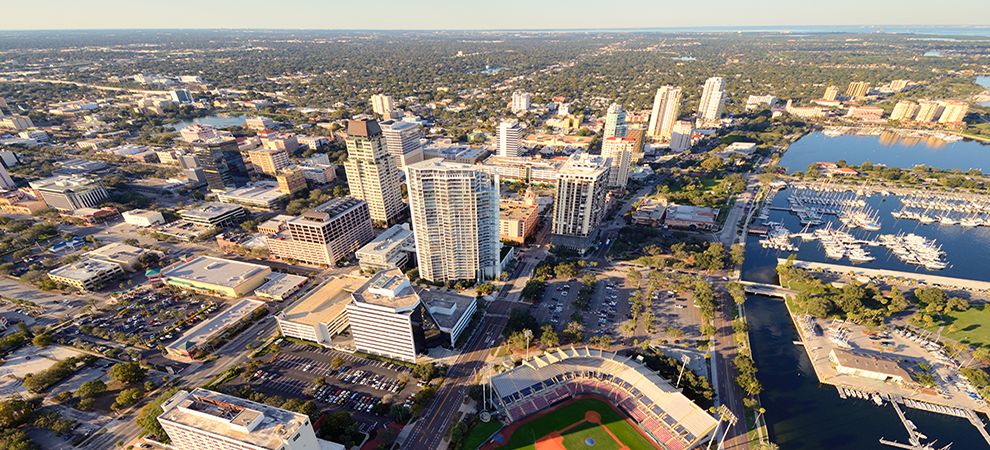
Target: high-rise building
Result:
[[666, 105], [953, 111], [680, 137], [291, 180], [221, 162], [181, 96], [899, 85], [831, 93], [455, 217], [387, 317], [615, 122], [520, 102], [326, 234], [3, 107], [382, 105], [929, 111], [16, 122], [203, 419], [372, 173], [509, 135], [904, 110], [581, 200], [619, 150], [268, 160], [712, 101], [70, 192], [858, 90], [5, 181], [402, 142]]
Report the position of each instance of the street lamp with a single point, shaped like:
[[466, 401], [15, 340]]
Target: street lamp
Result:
[[529, 335], [686, 360]]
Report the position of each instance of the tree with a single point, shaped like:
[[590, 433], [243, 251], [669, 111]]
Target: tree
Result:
[[387, 436], [953, 304], [425, 371], [130, 372], [590, 280], [16, 440], [534, 288], [519, 339], [548, 336], [933, 298], [634, 276], [41, 340], [737, 255], [320, 381], [574, 332], [485, 289], [149, 415], [712, 163], [812, 171], [13, 411], [737, 291], [336, 363], [91, 389], [476, 392], [127, 397], [400, 414], [520, 319]]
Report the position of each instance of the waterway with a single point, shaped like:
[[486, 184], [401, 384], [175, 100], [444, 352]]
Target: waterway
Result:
[[965, 248], [216, 120], [890, 148], [805, 415], [985, 82]]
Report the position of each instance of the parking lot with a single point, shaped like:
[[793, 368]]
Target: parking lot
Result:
[[356, 387]]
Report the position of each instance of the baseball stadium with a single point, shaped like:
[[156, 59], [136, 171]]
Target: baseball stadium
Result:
[[572, 398]]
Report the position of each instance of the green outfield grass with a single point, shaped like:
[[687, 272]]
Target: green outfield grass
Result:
[[525, 437]]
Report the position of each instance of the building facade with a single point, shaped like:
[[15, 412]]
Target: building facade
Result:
[[929, 111], [387, 317], [382, 105], [615, 122], [214, 214], [520, 102], [581, 201], [455, 216], [680, 137], [402, 142], [221, 162], [712, 102], [390, 249], [953, 111], [70, 192], [857, 90], [291, 180], [831, 93], [325, 234], [619, 150], [904, 110], [88, 274], [372, 173], [509, 137], [666, 106], [269, 160]]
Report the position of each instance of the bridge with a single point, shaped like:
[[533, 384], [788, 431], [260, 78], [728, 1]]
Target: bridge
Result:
[[768, 290]]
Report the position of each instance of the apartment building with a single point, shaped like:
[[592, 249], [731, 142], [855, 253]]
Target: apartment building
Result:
[[325, 234], [619, 150], [581, 201], [269, 160], [712, 102], [402, 139], [666, 105]]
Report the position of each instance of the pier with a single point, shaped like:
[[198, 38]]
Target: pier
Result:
[[921, 277]]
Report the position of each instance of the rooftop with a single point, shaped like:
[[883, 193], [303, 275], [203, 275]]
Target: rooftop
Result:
[[325, 303], [206, 330], [388, 288], [691, 213], [210, 210], [584, 164], [260, 192], [515, 211], [242, 420], [216, 271], [84, 269], [447, 308], [363, 128], [64, 183], [327, 211], [387, 241], [870, 363], [142, 213], [117, 251], [280, 283]]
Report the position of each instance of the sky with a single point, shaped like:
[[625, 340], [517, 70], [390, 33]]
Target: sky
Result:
[[486, 15]]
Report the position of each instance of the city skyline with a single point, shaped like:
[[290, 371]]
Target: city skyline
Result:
[[450, 15]]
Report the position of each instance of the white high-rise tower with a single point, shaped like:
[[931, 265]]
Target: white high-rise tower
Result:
[[615, 122], [509, 135], [712, 102], [665, 107]]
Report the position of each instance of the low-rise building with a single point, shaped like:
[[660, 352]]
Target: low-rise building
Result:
[[74, 166], [88, 274], [557, 141], [693, 217], [464, 154], [126, 256], [275, 224], [450, 311], [280, 286], [90, 216], [517, 221], [865, 113], [143, 218], [391, 249], [650, 213], [70, 192], [322, 314], [215, 214], [16, 122], [261, 194], [21, 201], [93, 144], [259, 123], [877, 367], [215, 276], [527, 170]]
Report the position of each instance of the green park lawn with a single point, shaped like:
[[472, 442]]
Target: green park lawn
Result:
[[972, 326]]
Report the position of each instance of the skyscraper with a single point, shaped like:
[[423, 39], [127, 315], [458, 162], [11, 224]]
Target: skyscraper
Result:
[[953, 111], [619, 150], [269, 161], [665, 107], [615, 122], [221, 162], [680, 138], [181, 96], [372, 173], [509, 135], [858, 89], [579, 206], [402, 142], [929, 111], [520, 102], [382, 105], [5, 181], [904, 110], [831, 93], [712, 102], [455, 217]]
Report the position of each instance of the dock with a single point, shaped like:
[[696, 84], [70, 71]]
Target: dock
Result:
[[921, 277]]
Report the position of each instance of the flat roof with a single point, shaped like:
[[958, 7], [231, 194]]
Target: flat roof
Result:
[[279, 284], [210, 210], [692, 213], [117, 251], [446, 308], [226, 415], [385, 242], [64, 182], [325, 303], [328, 211], [200, 334], [386, 288], [215, 271], [84, 269], [265, 192], [584, 164], [142, 213], [515, 211]]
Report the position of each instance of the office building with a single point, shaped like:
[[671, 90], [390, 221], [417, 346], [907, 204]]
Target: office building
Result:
[[89, 274], [857, 90], [261, 194], [904, 110], [5, 181], [666, 105], [402, 139], [259, 123], [215, 276], [321, 315], [455, 217], [690, 217], [389, 250], [326, 234], [70, 192], [207, 420], [269, 160], [929, 111], [681, 135], [757, 101], [509, 135], [126, 256], [382, 105], [619, 150], [615, 122], [831, 93], [16, 122], [712, 102], [143, 218], [181, 96], [221, 162], [291, 180], [520, 102], [198, 133], [21, 201], [581, 201], [372, 173], [214, 214], [517, 220], [953, 111], [9, 159]]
